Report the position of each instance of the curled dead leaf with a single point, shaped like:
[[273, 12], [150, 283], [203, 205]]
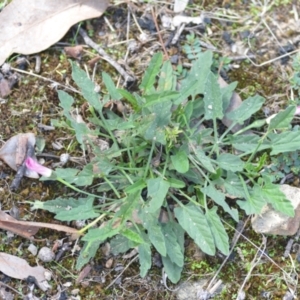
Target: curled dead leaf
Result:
[[29, 229], [18, 268], [31, 27], [74, 52]]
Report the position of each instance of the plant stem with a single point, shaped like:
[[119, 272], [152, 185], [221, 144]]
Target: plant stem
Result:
[[257, 147], [166, 162], [112, 187], [149, 158], [97, 219], [75, 188], [216, 145], [126, 175], [194, 162]]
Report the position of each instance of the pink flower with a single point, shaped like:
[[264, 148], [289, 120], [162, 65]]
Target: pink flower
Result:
[[297, 110], [33, 165]]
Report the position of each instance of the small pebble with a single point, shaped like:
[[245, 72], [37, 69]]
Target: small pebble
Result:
[[174, 59], [48, 275], [32, 249], [75, 292], [80, 223], [133, 46], [46, 254], [6, 68], [64, 158], [109, 263]]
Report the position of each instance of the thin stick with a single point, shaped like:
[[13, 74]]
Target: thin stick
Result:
[[105, 56], [254, 263], [159, 35], [225, 260], [178, 34], [46, 79], [121, 272], [9, 287]]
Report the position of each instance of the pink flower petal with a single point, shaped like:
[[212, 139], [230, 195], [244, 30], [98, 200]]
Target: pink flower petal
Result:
[[33, 165], [297, 112]]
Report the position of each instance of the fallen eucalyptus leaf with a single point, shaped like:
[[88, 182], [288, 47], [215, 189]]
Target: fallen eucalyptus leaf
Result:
[[18, 268], [31, 27]]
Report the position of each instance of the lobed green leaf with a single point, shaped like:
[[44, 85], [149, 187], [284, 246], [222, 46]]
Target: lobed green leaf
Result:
[[157, 191], [86, 86], [152, 71], [219, 198], [230, 162], [193, 221], [218, 230], [87, 252], [285, 142], [283, 119], [246, 109], [180, 161], [173, 248], [145, 258], [172, 270], [213, 103], [150, 222]]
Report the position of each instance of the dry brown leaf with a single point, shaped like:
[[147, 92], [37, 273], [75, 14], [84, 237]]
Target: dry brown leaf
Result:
[[74, 52], [18, 268], [84, 272], [32, 26], [14, 152], [235, 102], [27, 229], [5, 89]]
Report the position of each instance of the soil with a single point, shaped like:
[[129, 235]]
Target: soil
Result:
[[235, 30]]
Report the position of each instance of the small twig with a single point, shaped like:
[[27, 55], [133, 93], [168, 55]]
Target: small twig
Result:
[[178, 33], [11, 288], [121, 273], [164, 278], [265, 255], [136, 21], [241, 57], [288, 248], [271, 60], [254, 262], [236, 238], [46, 79], [38, 62], [215, 287], [105, 56], [109, 25], [159, 35]]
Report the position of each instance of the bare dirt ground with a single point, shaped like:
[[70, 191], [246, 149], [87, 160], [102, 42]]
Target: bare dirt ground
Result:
[[258, 37]]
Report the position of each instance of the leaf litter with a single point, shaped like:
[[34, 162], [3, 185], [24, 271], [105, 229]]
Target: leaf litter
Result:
[[34, 27], [18, 268]]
